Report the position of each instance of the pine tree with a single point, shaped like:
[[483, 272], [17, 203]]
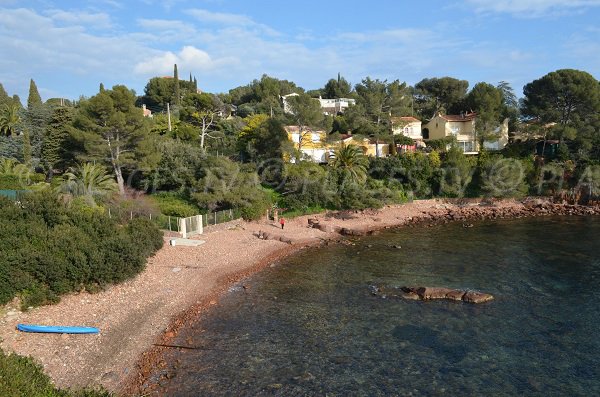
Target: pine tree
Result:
[[177, 94], [34, 98]]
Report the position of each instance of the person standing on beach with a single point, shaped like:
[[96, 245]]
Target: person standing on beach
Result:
[[282, 222]]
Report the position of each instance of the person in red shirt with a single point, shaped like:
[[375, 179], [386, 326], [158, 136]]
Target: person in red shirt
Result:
[[282, 222]]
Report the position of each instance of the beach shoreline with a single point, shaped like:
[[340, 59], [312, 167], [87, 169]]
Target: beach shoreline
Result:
[[181, 283]]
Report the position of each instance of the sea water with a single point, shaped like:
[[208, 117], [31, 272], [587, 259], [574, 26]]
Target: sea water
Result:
[[310, 326]]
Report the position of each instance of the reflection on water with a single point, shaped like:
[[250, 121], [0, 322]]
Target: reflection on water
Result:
[[309, 326]]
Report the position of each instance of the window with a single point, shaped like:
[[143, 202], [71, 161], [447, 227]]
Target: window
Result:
[[315, 137], [296, 138], [466, 146]]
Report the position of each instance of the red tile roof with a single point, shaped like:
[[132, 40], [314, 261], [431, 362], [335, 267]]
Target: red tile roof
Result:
[[459, 117]]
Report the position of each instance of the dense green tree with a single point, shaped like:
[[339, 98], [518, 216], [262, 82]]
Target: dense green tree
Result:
[[160, 90], [263, 95], [337, 88], [112, 130], [442, 94], [101, 89], [486, 100], [34, 99], [570, 98], [263, 138]]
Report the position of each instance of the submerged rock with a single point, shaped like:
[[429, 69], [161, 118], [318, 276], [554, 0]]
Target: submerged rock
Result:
[[431, 293]]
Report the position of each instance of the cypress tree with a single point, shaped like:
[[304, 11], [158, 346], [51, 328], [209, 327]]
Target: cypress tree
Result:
[[101, 87], [34, 98], [191, 81], [176, 94], [26, 147], [195, 84], [54, 150]]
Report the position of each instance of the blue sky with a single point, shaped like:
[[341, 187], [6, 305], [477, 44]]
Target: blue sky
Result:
[[69, 47]]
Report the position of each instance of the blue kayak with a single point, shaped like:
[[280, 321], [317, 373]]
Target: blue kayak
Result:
[[57, 329]]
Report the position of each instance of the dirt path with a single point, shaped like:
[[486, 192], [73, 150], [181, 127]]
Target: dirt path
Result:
[[136, 314]]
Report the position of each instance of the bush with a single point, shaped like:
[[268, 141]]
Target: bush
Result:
[[174, 205], [21, 376], [48, 249]]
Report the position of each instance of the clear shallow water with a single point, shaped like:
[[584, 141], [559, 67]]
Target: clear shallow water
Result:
[[309, 326]]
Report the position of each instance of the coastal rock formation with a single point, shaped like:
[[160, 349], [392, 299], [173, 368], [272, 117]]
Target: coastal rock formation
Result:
[[431, 293]]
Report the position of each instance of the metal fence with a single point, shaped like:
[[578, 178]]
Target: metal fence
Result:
[[13, 194], [172, 223], [214, 218]]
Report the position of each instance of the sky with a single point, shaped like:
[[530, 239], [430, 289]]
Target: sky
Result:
[[69, 47]]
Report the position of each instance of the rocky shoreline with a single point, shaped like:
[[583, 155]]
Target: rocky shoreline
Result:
[[179, 283]]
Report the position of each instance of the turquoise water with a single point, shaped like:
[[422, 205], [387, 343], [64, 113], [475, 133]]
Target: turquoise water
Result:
[[310, 326]]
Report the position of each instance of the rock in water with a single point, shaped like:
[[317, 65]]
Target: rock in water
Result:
[[431, 293]]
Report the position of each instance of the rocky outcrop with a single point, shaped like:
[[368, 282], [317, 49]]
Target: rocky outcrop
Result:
[[431, 293], [270, 236]]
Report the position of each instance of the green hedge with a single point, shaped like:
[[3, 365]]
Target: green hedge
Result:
[[48, 249]]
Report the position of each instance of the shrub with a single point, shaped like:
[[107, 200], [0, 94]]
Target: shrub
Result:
[[174, 205], [21, 376], [48, 249]]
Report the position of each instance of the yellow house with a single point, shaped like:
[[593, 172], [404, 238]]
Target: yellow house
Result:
[[312, 144], [370, 147], [460, 126]]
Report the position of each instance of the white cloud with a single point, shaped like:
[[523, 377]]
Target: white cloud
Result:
[[229, 19], [532, 8], [189, 58], [99, 20]]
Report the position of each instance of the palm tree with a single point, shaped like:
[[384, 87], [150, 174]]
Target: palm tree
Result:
[[9, 118], [351, 161], [89, 180]]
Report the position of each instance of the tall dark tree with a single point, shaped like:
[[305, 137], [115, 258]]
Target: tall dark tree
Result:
[[26, 147], [101, 87], [177, 90], [56, 150], [34, 99]]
